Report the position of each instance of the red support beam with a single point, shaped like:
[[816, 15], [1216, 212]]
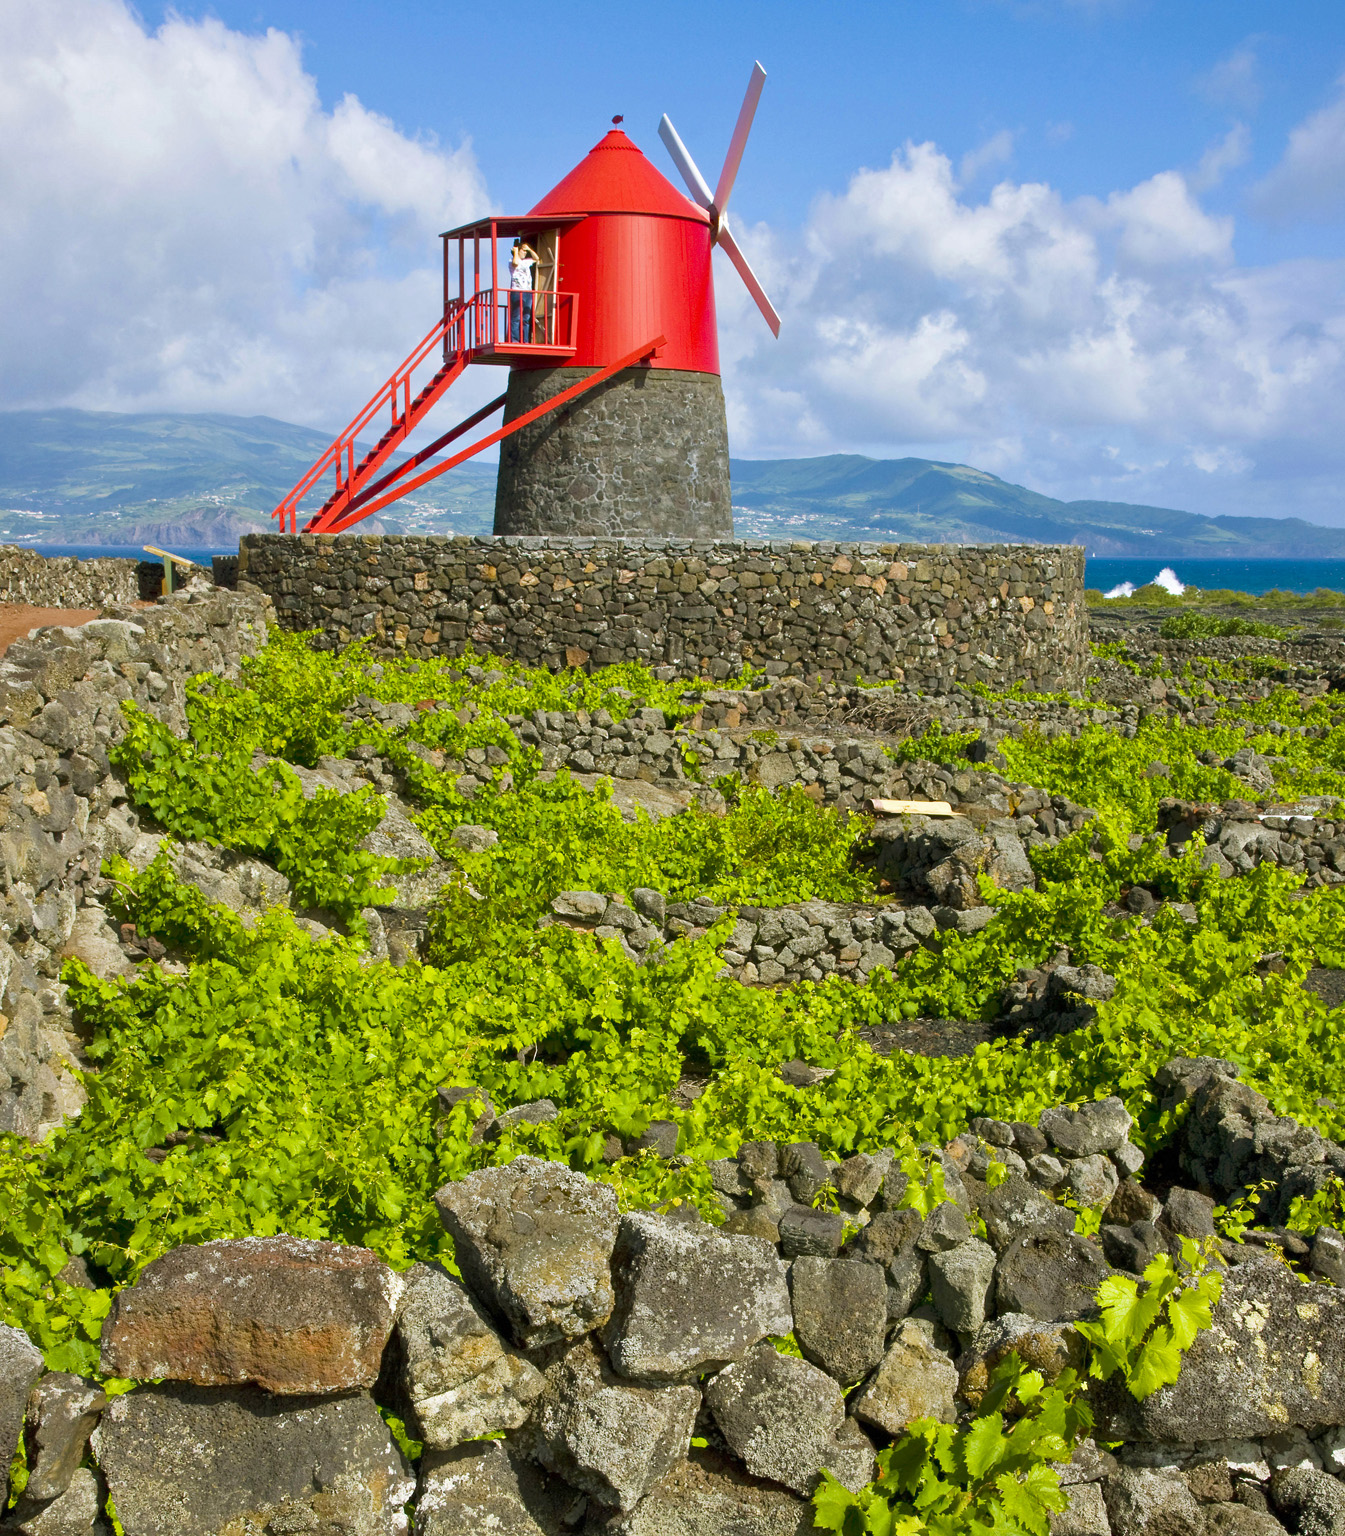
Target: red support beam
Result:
[[419, 458], [594, 379]]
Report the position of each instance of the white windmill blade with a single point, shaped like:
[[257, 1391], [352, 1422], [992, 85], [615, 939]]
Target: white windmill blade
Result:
[[738, 142], [735, 255], [696, 183]]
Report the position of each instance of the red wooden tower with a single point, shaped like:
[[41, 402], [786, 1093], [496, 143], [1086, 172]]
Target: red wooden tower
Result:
[[614, 414]]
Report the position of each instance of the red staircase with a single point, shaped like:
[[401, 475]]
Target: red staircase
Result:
[[472, 330], [407, 414]]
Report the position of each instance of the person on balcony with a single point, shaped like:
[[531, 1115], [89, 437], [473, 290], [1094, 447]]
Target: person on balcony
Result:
[[522, 261]]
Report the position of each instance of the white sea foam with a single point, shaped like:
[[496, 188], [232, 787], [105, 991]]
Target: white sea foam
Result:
[[1166, 578]]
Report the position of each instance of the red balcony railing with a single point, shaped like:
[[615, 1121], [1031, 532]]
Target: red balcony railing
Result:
[[497, 318]]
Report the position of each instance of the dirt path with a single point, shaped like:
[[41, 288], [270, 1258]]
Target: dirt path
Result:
[[16, 619]]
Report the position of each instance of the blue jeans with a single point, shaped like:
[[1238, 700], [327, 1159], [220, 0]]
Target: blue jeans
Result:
[[520, 300]]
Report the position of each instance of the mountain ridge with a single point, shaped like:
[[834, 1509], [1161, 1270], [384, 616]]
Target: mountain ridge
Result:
[[106, 477], [932, 501]]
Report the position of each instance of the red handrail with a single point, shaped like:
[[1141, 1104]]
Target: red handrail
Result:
[[484, 320], [348, 519], [344, 445], [475, 326]]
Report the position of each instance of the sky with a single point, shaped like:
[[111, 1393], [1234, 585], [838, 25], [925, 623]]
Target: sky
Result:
[[1094, 246]]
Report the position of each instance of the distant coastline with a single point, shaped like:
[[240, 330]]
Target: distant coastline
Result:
[[1253, 576], [102, 478]]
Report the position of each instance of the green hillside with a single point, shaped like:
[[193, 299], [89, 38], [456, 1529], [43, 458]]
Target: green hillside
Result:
[[201, 480], [846, 496], [106, 477]]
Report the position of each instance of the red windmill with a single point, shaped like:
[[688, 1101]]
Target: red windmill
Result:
[[614, 413]]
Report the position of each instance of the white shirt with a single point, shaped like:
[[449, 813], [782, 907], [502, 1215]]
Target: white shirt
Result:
[[520, 272]]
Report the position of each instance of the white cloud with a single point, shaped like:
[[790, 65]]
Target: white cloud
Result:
[[1101, 347], [1235, 79], [1309, 181], [187, 228], [1159, 222], [995, 151], [1225, 155]]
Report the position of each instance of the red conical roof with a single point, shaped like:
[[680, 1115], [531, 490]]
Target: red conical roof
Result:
[[614, 177]]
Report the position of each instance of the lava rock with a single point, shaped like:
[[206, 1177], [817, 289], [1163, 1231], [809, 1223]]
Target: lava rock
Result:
[[489, 1485], [187, 1461], [1131, 1248], [605, 1435], [1187, 1213], [1232, 1137], [1092, 1180], [76, 1511], [907, 1281], [534, 1241], [1240, 1520], [446, 1370], [804, 1169], [944, 1228], [859, 1178], [1049, 1274], [20, 1366], [284, 1313], [1014, 1207], [914, 1380], [1028, 1139], [1047, 1347], [1132, 1202], [960, 1282], [63, 1412], [759, 1161], [886, 1235], [1327, 1256], [840, 1314], [1097, 1127], [1272, 1359], [1314, 1502], [709, 1495], [659, 1137], [1142, 1501], [806, 1231], [689, 1299], [1085, 1512], [784, 1419]]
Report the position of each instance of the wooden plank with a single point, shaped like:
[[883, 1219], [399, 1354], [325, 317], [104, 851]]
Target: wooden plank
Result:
[[164, 555], [910, 808]]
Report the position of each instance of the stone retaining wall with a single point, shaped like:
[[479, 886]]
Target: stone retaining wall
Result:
[[62, 581], [652, 1373], [62, 809], [923, 614]]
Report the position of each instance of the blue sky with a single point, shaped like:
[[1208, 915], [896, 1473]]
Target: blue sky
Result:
[[1094, 246], [1096, 95]]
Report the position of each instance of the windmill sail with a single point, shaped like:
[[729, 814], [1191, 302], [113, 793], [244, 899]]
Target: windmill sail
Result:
[[716, 202]]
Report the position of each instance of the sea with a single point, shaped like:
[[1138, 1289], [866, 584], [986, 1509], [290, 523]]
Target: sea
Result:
[[1120, 577], [124, 551], [1114, 577]]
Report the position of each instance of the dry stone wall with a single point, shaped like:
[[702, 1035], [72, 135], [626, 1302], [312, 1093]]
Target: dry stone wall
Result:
[[63, 810], [62, 581], [600, 1373], [925, 615]]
